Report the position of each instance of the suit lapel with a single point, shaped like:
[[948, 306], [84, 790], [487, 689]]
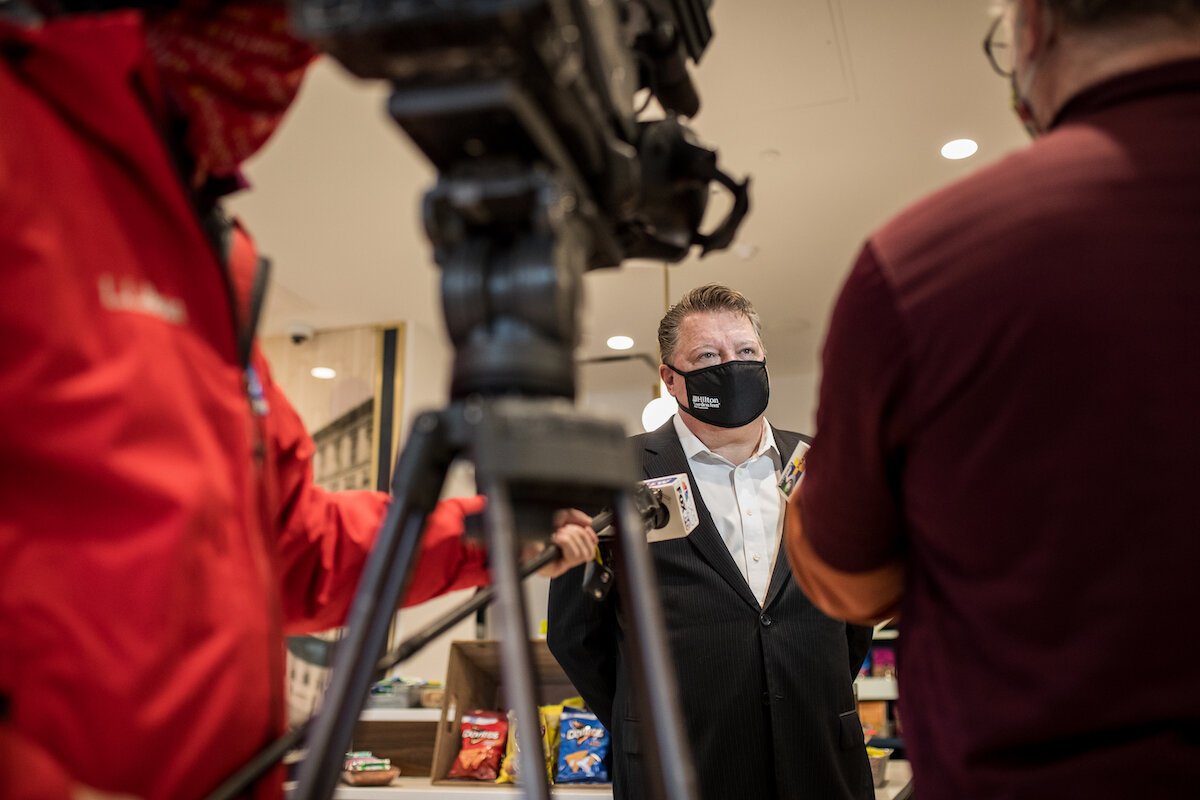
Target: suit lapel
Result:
[[663, 455], [781, 576]]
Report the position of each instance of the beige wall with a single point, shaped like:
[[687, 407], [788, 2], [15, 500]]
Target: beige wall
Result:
[[350, 351]]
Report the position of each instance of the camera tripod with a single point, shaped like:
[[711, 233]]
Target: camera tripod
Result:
[[512, 256]]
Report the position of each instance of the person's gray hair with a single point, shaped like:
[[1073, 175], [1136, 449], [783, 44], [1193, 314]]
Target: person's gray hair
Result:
[[1097, 13], [704, 299]]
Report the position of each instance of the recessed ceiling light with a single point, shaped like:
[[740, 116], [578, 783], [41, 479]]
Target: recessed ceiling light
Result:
[[959, 149], [324, 373], [619, 343], [745, 251]]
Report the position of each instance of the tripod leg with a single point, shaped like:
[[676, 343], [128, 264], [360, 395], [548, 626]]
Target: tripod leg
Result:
[[420, 473], [516, 660], [671, 775]]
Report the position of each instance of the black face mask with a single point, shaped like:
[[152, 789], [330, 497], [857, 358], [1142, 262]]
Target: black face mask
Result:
[[727, 395]]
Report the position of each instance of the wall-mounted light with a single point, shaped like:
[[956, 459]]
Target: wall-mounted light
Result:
[[659, 410], [323, 373]]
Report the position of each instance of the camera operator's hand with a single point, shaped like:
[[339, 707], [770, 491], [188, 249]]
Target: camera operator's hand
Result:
[[574, 536]]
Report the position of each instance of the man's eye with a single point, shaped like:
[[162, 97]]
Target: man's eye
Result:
[[749, 351]]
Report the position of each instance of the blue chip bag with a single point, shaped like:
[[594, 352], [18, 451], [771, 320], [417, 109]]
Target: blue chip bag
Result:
[[582, 749]]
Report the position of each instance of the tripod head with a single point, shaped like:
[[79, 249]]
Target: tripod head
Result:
[[526, 108]]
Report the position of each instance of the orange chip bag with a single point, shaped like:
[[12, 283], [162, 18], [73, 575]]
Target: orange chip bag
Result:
[[483, 737]]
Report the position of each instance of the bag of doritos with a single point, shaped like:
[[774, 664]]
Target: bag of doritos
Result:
[[582, 748], [483, 738]]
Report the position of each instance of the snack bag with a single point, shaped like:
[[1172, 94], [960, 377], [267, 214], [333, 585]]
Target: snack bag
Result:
[[583, 748], [510, 769], [483, 736], [883, 662], [865, 670], [550, 718], [362, 768]]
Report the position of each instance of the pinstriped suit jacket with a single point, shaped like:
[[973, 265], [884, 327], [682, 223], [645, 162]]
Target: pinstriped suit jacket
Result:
[[766, 692]]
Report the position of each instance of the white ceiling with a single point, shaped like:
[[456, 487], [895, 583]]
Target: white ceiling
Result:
[[837, 108]]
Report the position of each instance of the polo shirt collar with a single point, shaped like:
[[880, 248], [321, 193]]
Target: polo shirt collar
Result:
[[1170, 78]]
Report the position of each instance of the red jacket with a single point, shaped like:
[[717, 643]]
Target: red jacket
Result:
[[150, 562]]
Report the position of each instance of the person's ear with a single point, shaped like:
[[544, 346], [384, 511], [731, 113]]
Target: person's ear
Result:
[[669, 377], [1032, 30]]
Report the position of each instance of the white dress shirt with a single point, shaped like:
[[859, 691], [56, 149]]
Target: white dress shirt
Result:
[[744, 501]]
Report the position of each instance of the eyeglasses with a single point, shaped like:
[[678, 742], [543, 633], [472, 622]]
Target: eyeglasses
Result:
[[998, 45]]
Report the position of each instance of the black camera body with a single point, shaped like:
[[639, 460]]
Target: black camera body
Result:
[[549, 82]]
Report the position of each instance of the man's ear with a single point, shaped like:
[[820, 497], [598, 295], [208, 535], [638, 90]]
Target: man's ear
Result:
[[669, 376], [1032, 30]]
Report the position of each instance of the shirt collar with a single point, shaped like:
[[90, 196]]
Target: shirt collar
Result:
[[693, 447], [1170, 78]]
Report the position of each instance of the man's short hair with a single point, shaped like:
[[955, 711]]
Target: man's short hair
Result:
[[1096, 13], [710, 298]]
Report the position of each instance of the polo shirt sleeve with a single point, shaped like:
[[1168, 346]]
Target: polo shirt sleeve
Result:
[[849, 498]]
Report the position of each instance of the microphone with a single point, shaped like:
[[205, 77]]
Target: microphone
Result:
[[666, 505], [674, 506], [793, 468], [668, 511]]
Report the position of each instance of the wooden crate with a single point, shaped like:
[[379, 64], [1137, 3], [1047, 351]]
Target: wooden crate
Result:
[[474, 682]]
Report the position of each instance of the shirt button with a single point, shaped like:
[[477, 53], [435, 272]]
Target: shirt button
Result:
[[749, 513], [755, 556], [766, 620]]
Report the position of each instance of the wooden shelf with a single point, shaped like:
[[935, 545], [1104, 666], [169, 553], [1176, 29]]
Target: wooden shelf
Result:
[[898, 773], [422, 789], [899, 776], [400, 715], [877, 689]]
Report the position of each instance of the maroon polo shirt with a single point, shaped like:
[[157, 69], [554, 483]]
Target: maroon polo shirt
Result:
[[1011, 406]]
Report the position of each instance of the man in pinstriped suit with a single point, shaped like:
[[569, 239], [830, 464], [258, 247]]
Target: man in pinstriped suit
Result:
[[765, 679]]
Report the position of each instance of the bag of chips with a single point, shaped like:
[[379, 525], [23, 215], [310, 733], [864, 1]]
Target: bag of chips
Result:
[[510, 770], [582, 749], [550, 716], [483, 738], [508, 767]]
